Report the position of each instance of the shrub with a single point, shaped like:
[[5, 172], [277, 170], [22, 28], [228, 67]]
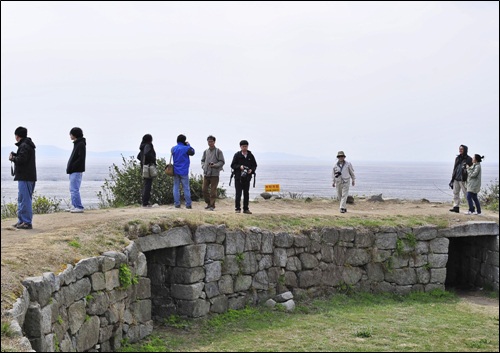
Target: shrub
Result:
[[40, 204], [124, 186], [489, 196]]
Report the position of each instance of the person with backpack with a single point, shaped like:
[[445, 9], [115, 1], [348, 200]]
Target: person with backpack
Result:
[[243, 166], [212, 162]]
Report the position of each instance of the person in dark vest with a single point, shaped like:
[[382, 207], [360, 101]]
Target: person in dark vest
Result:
[[25, 173], [75, 168], [459, 176]]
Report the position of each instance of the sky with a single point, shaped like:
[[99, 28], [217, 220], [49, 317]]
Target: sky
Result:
[[387, 81]]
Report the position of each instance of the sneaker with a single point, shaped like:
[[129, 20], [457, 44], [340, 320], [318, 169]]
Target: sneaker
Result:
[[469, 212], [207, 207], [247, 212], [478, 214], [237, 210], [77, 210], [189, 207], [146, 206], [69, 209], [24, 226], [210, 209], [15, 225], [177, 206], [342, 210]]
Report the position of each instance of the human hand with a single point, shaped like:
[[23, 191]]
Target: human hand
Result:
[[333, 184], [451, 185], [353, 183]]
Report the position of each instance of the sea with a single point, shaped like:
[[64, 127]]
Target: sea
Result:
[[394, 180]]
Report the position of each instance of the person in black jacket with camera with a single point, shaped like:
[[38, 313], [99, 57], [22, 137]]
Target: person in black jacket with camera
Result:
[[243, 166], [25, 174], [459, 176]]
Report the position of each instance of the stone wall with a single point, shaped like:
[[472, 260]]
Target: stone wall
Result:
[[86, 308]]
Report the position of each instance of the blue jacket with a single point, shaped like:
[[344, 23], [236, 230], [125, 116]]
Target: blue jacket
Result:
[[180, 157]]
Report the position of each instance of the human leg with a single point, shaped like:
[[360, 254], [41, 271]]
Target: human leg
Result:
[[343, 199], [214, 183], [25, 201], [476, 202], [146, 191], [186, 189], [339, 194], [246, 193], [237, 197], [75, 181], [469, 201], [177, 191], [204, 189]]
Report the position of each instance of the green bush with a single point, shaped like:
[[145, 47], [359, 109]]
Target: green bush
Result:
[[489, 196], [124, 186], [40, 204]]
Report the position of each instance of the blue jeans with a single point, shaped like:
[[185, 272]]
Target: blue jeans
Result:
[[25, 201], [472, 196], [184, 179], [75, 180]]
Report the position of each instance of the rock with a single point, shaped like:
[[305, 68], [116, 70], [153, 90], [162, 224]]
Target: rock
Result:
[[376, 198], [266, 195], [350, 200]]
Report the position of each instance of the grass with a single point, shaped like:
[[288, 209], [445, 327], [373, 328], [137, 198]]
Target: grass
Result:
[[362, 322]]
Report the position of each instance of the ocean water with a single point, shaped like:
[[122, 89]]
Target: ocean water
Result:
[[411, 181]]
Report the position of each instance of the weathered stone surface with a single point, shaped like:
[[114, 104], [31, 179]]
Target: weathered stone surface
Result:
[[357, 257], [242, 283], [119, 257], [86, 267], [386, 241], [235, 242], [186, 275], [438, 260], [439, 246], [249, 263], [280, 257], [98, 281], [214, 252], [267, 243], [470, 229], [174, 237], [226, 284], [260, 280], [401, 276], [425, 232], [219, 304], [191, 255], [213, 271], [40, 289], [187, 291], [112, 279], [88, 335], [205, 234], [76, 316], [193, 308], [283, 240]]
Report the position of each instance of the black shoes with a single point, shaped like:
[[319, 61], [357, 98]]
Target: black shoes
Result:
[[247, 212], [189, 207], [455, 209], [238, 210], [343, 210], [24, 226]]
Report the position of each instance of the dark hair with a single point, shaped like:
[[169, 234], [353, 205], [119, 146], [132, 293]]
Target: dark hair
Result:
[[147, 138], [211, 137], [243, 143], [77, 132], [22, 132], [478, 158], [181, 138]]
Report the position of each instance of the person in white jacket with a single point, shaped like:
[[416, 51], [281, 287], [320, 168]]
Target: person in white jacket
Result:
[[342, 174]]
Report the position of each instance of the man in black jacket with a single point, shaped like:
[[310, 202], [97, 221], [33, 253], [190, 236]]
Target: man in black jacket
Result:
[[244, 166], [25, 174], [75, 168], [459, 176]]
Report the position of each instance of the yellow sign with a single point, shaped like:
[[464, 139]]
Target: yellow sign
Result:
[[272, 187]]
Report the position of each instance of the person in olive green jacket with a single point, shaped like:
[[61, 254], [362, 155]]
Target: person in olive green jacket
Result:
[[474, 184]]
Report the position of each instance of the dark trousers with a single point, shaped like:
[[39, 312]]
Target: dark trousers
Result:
[[146, 191], [209, 189], [242, 186], [471, 196]]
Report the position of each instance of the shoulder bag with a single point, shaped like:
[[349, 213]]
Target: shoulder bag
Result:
[[169, 169], [149, 171]]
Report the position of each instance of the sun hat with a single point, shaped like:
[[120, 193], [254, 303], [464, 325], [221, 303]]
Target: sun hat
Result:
[[340, 154]]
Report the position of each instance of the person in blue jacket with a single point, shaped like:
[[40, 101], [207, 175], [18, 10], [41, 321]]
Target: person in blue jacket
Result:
[[180, 156]]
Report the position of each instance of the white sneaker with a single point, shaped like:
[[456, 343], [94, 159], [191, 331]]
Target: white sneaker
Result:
[[469, 213], [77, 210], [69, 209]]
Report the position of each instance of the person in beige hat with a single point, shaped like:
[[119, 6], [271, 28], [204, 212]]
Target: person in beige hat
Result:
[[342, 174]]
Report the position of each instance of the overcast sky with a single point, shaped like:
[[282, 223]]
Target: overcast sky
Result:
[[390, 81]]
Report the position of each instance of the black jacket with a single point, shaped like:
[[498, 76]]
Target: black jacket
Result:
[[239, 160], [76, 163], [149, 152], [459, 169], [24, 160]]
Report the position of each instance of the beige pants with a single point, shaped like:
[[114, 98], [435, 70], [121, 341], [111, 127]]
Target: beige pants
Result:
[[343, 192], [457, 186]]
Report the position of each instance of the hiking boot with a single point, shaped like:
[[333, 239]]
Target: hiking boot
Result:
[[24, 226], [77, 210], [247, 212], [455, 209]]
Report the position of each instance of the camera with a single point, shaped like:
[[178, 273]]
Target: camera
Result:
[[337, 174], [244, 172]]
